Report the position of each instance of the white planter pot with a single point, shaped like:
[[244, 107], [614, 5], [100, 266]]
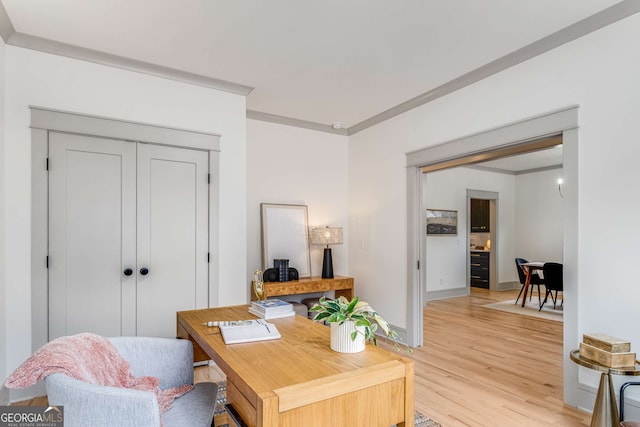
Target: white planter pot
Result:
[[341, 337]]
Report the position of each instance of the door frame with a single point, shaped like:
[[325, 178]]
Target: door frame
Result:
[[44, 120], [558, 122]]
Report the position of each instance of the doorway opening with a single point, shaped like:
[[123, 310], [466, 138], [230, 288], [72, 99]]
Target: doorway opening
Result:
[[482, 239], [561, 124]]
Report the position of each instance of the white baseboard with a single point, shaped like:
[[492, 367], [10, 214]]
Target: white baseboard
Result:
[[5, 396], [506, 286], [446, 293]]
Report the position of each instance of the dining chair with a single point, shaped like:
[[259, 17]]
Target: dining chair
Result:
[[522, 275], [553, 282]]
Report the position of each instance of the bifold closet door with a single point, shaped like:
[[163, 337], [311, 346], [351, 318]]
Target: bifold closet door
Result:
[[92, 235], [128, 236], [173, 238]]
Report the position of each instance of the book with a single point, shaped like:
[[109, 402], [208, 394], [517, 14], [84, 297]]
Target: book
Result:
[[607, 343], [271, 306], [258, 330], [606, 358], [270, 315]]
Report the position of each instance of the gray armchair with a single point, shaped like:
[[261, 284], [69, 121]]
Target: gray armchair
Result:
[[171, 360]]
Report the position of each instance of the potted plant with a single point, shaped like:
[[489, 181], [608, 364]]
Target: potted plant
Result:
[[352, 324]]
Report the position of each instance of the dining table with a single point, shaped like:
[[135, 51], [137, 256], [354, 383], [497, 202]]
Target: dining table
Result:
[[529, 268]]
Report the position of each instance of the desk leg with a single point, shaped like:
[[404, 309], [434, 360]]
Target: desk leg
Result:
[[605, 411], [526, 285]]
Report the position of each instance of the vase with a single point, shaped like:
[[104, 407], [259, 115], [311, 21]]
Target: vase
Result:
[[341, 337]]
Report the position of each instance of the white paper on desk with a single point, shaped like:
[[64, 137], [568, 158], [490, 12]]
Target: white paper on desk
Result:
[[258, 331]]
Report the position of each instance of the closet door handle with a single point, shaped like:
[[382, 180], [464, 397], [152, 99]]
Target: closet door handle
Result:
[[144, 271], [128, 271]]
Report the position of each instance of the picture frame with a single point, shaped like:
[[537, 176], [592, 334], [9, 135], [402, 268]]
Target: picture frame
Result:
[[285, 235], [441, 222]]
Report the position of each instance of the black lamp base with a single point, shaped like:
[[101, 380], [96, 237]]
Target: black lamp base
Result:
[[327, 264]]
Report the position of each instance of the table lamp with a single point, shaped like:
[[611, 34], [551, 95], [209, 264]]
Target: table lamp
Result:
[[326, 236]]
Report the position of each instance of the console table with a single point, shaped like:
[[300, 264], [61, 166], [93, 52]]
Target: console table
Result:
[[298, 380], [343, 286]]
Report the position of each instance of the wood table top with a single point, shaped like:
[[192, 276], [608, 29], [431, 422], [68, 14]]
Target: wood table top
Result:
[[303, 353]]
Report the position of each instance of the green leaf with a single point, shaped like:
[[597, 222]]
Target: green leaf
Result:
[[333, 306], [363, 321], [343, 300], [321, 316], [352, 305], [336, 318]]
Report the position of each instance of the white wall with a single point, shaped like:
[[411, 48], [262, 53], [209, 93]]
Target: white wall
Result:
[[3, 183], [291, 165], [447, 256], [34, 78], [539, 216], [598, 72]]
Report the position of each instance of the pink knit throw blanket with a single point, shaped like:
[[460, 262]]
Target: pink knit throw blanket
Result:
[[93, 359]]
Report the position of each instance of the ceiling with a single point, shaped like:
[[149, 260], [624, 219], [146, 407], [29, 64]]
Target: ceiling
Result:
[[321, 61], [533, 161]]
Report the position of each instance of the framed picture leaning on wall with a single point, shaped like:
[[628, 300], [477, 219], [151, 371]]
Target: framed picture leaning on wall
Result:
[[285, 235]]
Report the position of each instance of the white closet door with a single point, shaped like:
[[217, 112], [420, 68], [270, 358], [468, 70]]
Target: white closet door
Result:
[[172, 236], [92, 235]]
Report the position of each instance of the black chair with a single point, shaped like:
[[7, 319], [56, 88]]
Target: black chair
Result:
[[553, 282], [535, 280]]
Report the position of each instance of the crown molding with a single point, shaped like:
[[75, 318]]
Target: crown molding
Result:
[[13, 38], [76, 52], [581, 28], [289, 121], [6, 27], [510, 172]]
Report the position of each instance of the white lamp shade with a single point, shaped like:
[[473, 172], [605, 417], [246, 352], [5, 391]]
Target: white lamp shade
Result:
[[326, 235]]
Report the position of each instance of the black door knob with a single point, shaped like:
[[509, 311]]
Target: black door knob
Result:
[[144, 271], [128, 271]]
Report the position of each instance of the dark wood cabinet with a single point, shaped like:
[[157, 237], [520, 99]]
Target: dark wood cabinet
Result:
[[480, 216], [479, 276]]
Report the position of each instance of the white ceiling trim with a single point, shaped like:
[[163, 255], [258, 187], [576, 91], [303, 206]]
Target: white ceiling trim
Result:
[[273, 118], [510, 172], [599, 20], [581, 28], [90, 55], [12, 38], [6, 27]]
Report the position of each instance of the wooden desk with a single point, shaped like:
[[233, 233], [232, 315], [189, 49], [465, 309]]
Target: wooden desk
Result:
[[298, 380], [341, 285], [530, 267]]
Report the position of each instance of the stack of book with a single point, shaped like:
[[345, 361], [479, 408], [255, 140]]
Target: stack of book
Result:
[[607, 351], [271, 309]]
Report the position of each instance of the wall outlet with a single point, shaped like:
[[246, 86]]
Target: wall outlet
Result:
[[441, 281]]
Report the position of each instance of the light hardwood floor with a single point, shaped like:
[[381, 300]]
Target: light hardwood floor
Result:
[[482, 367]]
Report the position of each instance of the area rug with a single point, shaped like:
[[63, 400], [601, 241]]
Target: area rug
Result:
[[420, 420], [530, 309]]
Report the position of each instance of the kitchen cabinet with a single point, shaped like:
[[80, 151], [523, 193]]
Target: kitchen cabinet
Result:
[[480, 216], [479, 263]]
